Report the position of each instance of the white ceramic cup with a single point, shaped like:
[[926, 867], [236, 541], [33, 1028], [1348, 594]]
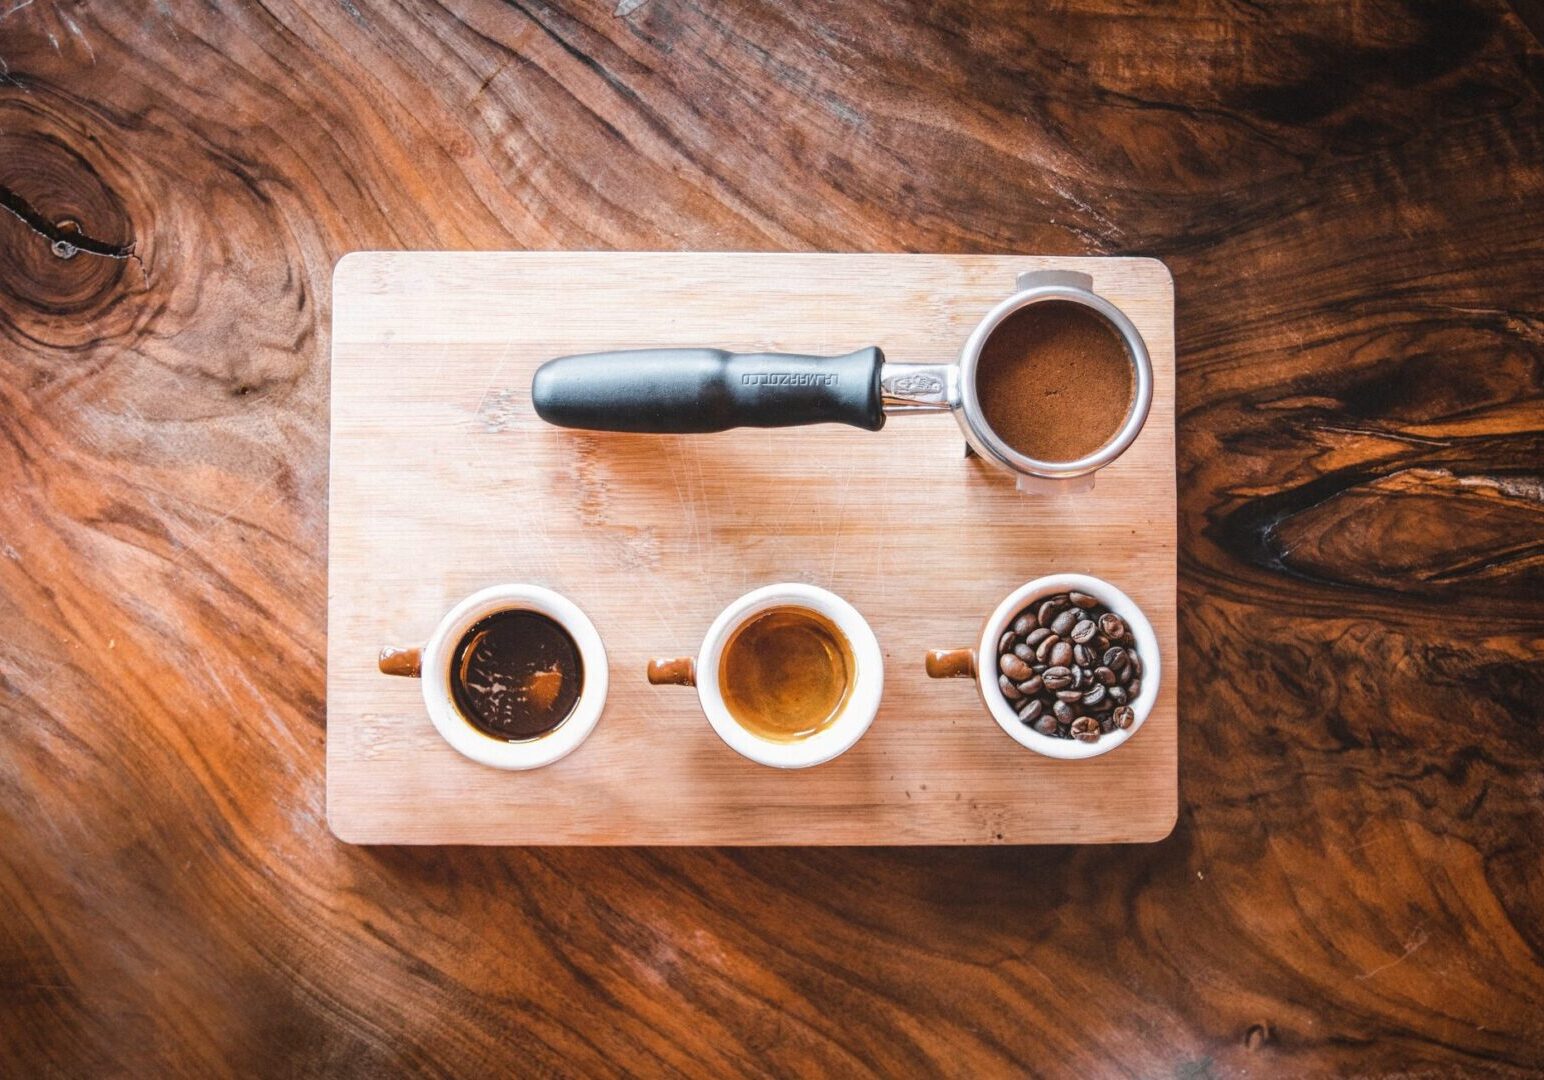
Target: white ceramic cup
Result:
[[838, 736], [980, 664], [432, 664]]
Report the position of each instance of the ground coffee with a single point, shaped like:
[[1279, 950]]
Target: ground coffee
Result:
[[1055, 381]]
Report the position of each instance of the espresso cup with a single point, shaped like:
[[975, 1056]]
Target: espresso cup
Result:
[[979, 662], [556, 672], [789, 675]]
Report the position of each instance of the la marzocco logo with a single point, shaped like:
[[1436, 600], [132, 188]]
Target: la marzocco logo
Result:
[[789, 378], [916, 384]]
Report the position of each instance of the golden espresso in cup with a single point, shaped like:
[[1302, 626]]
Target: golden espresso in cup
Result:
[[786, 674]]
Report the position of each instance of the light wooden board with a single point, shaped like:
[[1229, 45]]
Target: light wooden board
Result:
[[444, 481]]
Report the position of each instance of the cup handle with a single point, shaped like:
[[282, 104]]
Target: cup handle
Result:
[[951, 663], [682, 671], [405, 662]]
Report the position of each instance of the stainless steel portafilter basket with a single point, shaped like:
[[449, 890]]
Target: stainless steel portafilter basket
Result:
[[703, 390]]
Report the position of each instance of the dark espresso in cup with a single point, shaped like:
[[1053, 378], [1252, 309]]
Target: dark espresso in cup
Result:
[[516, 675], [1055, 381], [786, 674]]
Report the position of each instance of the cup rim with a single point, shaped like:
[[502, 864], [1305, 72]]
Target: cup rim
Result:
[[1112, 448], [856, 715], [480, 746], [992, 694]]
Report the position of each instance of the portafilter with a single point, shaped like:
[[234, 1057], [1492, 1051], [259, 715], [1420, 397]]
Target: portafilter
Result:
[[688, 390]]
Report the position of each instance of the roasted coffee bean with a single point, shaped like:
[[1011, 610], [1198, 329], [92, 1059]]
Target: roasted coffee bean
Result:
[[1013, 667], [1069, 668], [1113, 625], [1064, 622], [1057, 678]]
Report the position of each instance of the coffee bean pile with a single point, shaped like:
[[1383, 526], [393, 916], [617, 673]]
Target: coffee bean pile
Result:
[[1069, 667]]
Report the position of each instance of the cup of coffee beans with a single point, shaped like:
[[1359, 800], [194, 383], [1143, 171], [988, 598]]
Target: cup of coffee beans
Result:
[[1067, 665]]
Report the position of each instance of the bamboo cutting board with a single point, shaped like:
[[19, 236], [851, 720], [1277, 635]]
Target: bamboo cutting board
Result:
[[444, 481]]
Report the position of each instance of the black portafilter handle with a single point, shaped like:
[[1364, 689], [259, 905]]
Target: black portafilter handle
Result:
[[682, 391]]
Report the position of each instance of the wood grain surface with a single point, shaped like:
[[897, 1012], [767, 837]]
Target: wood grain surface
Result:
[[1351, 197], [445, 481]]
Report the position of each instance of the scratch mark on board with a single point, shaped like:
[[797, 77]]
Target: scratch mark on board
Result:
[[219, 683], [1420, 938], [75, 31], [841, 524], [280, 727]]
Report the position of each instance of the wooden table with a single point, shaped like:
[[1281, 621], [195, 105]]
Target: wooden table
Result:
[[1351, 197]]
